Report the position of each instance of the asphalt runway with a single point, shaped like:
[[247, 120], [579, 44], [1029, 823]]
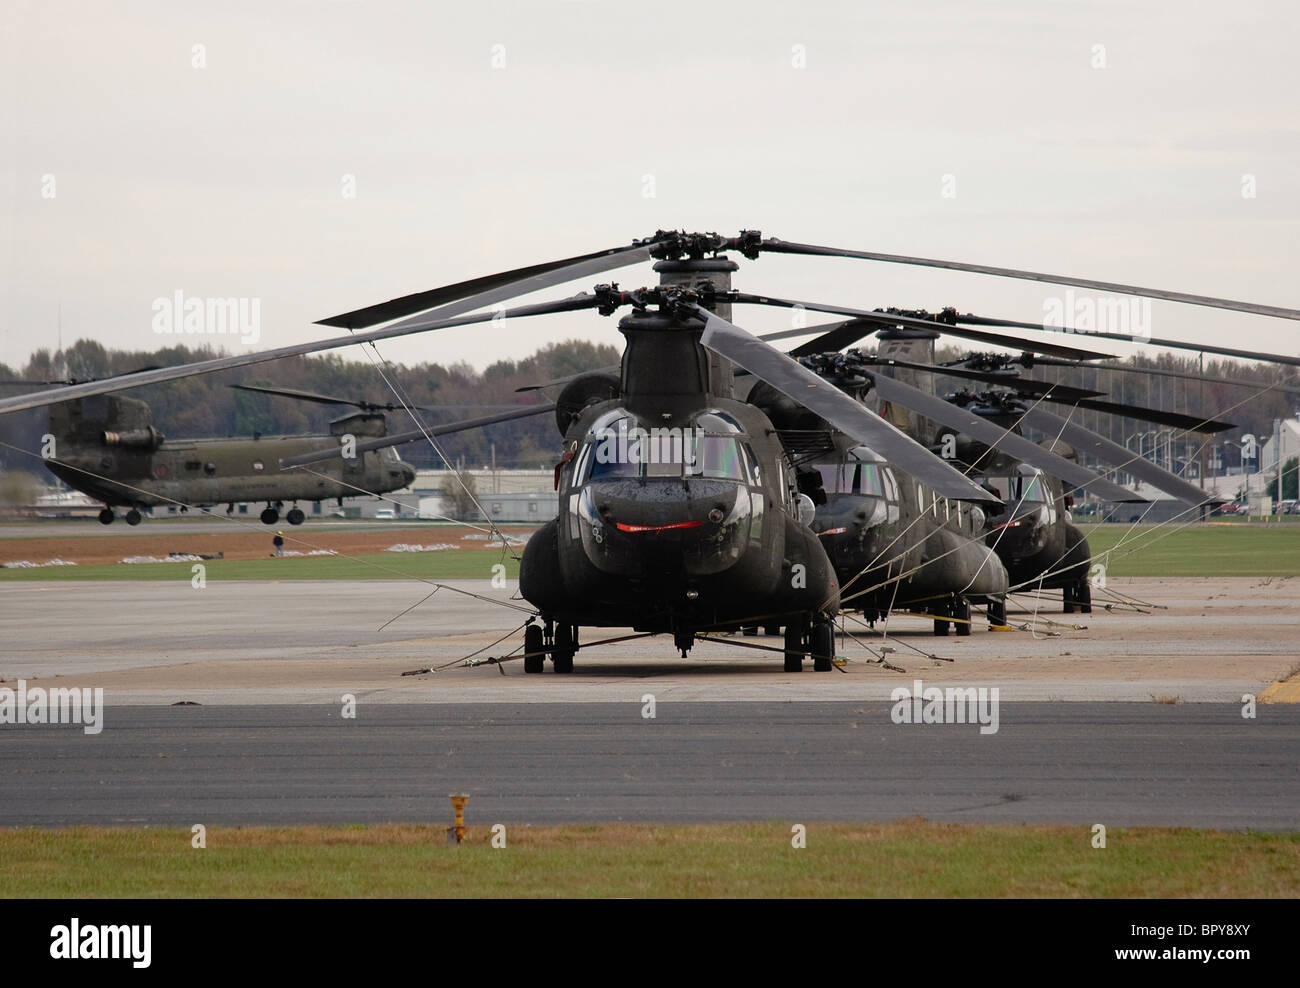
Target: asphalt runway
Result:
[[734, 737], [1195, 765]]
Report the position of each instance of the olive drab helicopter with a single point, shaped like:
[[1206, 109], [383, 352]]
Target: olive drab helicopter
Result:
[[675, 538], [108, 447], [894, 542]]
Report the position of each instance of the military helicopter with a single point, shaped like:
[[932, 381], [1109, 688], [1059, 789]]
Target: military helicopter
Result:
[[668, 548], [894, 542], [108, 447]]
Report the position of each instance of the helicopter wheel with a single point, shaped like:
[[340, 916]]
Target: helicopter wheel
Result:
[[961, 609], [941, 625], [1067, 600], [822, 642], [133, 517], [750, 631], [772, 629], [794, 647], [270, 516], [106, 516], [1084, 596], [997, 613], [295, 516], [535, 656], [565, 646]]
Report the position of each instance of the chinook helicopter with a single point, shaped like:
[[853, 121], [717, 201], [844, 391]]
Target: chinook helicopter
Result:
[[1032, 532], [669, 548], [108, 447]]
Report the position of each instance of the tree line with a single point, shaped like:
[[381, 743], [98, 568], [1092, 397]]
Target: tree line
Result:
[[205, 406]]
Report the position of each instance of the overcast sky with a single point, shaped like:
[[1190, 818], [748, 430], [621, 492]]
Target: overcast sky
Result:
[[322, 155]]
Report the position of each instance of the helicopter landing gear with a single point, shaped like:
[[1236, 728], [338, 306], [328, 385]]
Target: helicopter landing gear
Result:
[[942, 624], [961, 611], [133, 517], [269, 515], [106, 516], [295, 516], [683, 641], [795, 645], [534, 649], [1077, 595], [772, 629], [566, 644], [822, 645], [997, 613]]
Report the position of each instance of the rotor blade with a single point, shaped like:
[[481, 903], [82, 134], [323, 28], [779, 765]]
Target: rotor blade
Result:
[[415, 435], [832, 336], [493, 288], [893, 319], [76, 380], [566, 379], [1276, 358], [1063, 395], [1289, 388], [835, 339], [785, 247], [994, 435], [107, 385], [1178, 420], [836, 407], [327, 399], [1025, 385], [300, 395], [1086, 441]]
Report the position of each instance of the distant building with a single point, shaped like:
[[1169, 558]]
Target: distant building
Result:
[[1290, 446]]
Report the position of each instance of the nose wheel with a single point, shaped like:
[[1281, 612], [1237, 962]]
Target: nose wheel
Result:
[[565, 645], [956, 613], [534, 649], [822, 646], [295, 516], [106, 516], [133, 517]]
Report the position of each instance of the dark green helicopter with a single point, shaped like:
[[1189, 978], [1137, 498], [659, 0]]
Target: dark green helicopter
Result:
[[666, 549]]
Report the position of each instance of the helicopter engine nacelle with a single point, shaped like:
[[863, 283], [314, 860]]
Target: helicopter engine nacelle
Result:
[[578, 394], [146, 438]]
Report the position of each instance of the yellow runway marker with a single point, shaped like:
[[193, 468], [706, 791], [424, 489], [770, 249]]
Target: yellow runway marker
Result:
[[1284, 692]]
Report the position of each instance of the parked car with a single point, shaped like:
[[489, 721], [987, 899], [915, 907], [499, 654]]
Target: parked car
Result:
[[385, 514]]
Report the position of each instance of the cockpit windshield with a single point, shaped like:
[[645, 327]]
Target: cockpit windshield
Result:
[[619, 448], [851, 477], [1028, 488]]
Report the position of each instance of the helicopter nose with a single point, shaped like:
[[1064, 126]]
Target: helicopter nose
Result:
[[408, 474]]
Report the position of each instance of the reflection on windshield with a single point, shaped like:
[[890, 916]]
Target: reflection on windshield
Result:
[[1018, 488], [690, 455], [852, 478]]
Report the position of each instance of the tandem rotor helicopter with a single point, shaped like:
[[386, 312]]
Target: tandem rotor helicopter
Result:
[[108, 447], [720, 532]]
